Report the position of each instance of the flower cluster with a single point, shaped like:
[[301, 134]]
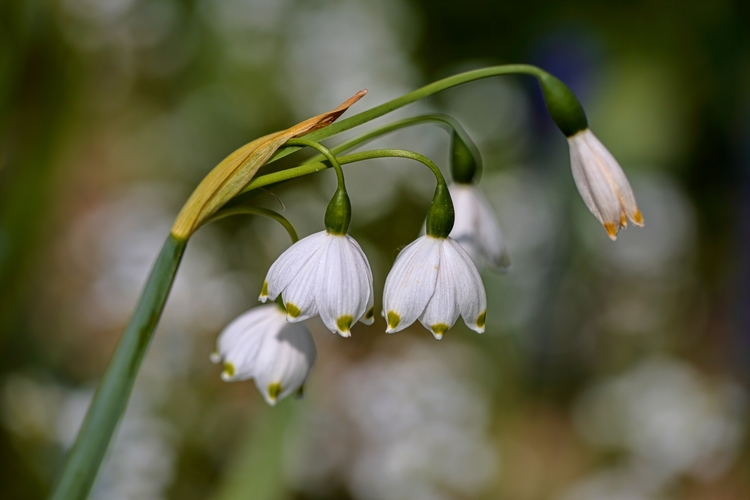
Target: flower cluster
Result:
[[434, 280]]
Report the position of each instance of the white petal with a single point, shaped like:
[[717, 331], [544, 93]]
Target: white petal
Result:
[[470, 296], [577, 166], [488, 234], [411, 282], [627, 198], [441, 312], [602, 183], [594, 174], [368, 316], [290, 263], [343, 285], [299, 295], [284, 362], [466, 220], [239, 343], [476, 228]]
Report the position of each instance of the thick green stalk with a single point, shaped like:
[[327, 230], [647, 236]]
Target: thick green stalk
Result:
[[110, 400]]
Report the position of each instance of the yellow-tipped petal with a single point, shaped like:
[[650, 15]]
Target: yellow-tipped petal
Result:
[[481, 319], [611, 229], [292, 310], [264, 292], [344, 324], [274, 390], [438, 329], [228, 372], [637, 218], [393, 319]]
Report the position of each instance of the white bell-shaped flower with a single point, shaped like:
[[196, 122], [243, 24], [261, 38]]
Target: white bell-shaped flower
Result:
[[262, 345], [602, 183], [325, 274], [476, 229], [434, 280]]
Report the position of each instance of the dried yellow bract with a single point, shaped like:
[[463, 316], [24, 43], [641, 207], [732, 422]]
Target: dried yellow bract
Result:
[[228, 178]]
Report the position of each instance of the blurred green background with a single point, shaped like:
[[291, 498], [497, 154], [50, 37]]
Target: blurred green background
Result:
[[608, 370]]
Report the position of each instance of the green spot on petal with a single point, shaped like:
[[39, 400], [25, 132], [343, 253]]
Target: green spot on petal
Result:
[[370, 313], [440, 328], [481, 319], [228, 371], [393, 319], [264, 289], [274, 390], [292, 310], [344, 323]]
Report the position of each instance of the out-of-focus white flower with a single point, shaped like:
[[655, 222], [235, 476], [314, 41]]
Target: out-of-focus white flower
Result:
[[476, 229], [602, 183], [324, 274], [435, 280], [262, 345]]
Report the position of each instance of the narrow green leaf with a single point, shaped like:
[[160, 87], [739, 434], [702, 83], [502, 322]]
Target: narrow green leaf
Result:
[[111, 397]]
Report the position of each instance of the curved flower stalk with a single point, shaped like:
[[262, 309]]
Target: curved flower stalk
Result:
[[326, 274], [261, 344], [434, 280], [476, 228], [602, 183]]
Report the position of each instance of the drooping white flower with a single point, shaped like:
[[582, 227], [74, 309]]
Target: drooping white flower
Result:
[[324, 274], [602, 183], [262, 345], [476, 229], [434, 280]]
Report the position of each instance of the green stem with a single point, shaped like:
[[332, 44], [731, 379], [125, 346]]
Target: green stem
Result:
[[440, 216], [390, 127], [411, 97], [325, 153], [247, 210], [111, 397], [339, 210], [311, 168]]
